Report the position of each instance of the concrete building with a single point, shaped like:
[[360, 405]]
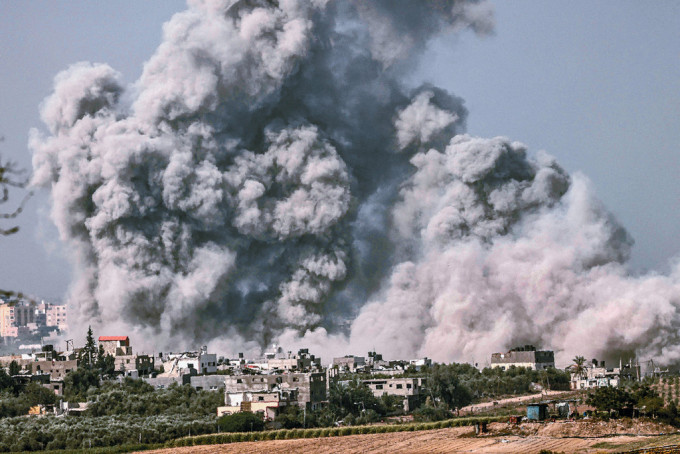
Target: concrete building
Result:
[[115, 345], [349, 363], [311, 386], [526, 356], [201, 362], [57, 370], [207, 382], [408, 388], [24, 314], [55, 315], [596, 375], [159, 382], [303, 361], [134, 365], [268, 402], [56, 386], [420, 363], [7, 326]]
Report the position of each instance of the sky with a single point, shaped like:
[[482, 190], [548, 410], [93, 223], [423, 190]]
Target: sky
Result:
[[597, 85]]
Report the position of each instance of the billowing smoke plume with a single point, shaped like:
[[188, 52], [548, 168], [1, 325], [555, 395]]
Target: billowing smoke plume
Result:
[[271, 176]]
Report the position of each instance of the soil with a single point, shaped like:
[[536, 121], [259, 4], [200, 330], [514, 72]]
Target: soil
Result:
[[527, 438]]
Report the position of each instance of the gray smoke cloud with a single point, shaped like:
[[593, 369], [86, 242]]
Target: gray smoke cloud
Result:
[[271, 176]]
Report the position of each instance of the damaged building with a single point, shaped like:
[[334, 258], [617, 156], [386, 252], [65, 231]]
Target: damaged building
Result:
[[311, 386], [527, 357]]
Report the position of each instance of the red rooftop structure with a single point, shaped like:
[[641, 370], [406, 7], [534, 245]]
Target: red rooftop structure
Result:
[[115, 345]]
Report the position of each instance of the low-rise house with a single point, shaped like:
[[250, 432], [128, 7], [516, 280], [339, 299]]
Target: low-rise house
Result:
[[207, 382], [181, 363], [526, 356], [57, 370], [303, 361], [73, 408], [408, 388], [310, 386], [56, 386], [349, 363], [267, 402], [115, 345], [420, 363], [596, 375], [140, 364]]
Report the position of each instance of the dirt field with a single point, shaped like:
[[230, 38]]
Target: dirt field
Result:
[[502, 438]]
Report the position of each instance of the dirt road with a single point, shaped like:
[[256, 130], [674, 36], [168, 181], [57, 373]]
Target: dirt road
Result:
[[511, 400]]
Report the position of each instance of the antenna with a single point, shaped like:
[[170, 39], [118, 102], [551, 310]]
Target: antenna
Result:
[[69, 341]]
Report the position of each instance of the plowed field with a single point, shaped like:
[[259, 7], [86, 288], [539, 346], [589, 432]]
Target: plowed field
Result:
[[501, 439]]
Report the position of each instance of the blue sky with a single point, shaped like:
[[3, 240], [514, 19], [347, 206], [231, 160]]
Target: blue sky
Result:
[[596, 84]]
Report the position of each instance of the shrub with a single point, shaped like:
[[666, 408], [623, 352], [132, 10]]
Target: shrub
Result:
[[241, 422]]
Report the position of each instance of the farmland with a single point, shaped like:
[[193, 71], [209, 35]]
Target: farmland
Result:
[[582, 437]]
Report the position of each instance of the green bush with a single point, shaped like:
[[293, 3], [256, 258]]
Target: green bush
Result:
[[241, 422]]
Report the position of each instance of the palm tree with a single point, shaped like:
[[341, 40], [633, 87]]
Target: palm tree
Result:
[[579, 366]]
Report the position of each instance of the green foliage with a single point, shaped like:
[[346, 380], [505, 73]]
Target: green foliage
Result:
[[14, 368], [444, 383], [353, 399], [16, 402], [136, 397], [88, 354], [35, 394], [106, 364], [610, 398], [6, 382], [293, 417], [493, 382], [78, 382], [430, 413], [241, 422], [52, 433]]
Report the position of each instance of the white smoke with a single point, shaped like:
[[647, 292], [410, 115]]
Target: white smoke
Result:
[[271, 177]]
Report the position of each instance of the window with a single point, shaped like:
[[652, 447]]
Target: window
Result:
[[400, 386], [238, 380], [408, 386], [378, 386], [260, 398]]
